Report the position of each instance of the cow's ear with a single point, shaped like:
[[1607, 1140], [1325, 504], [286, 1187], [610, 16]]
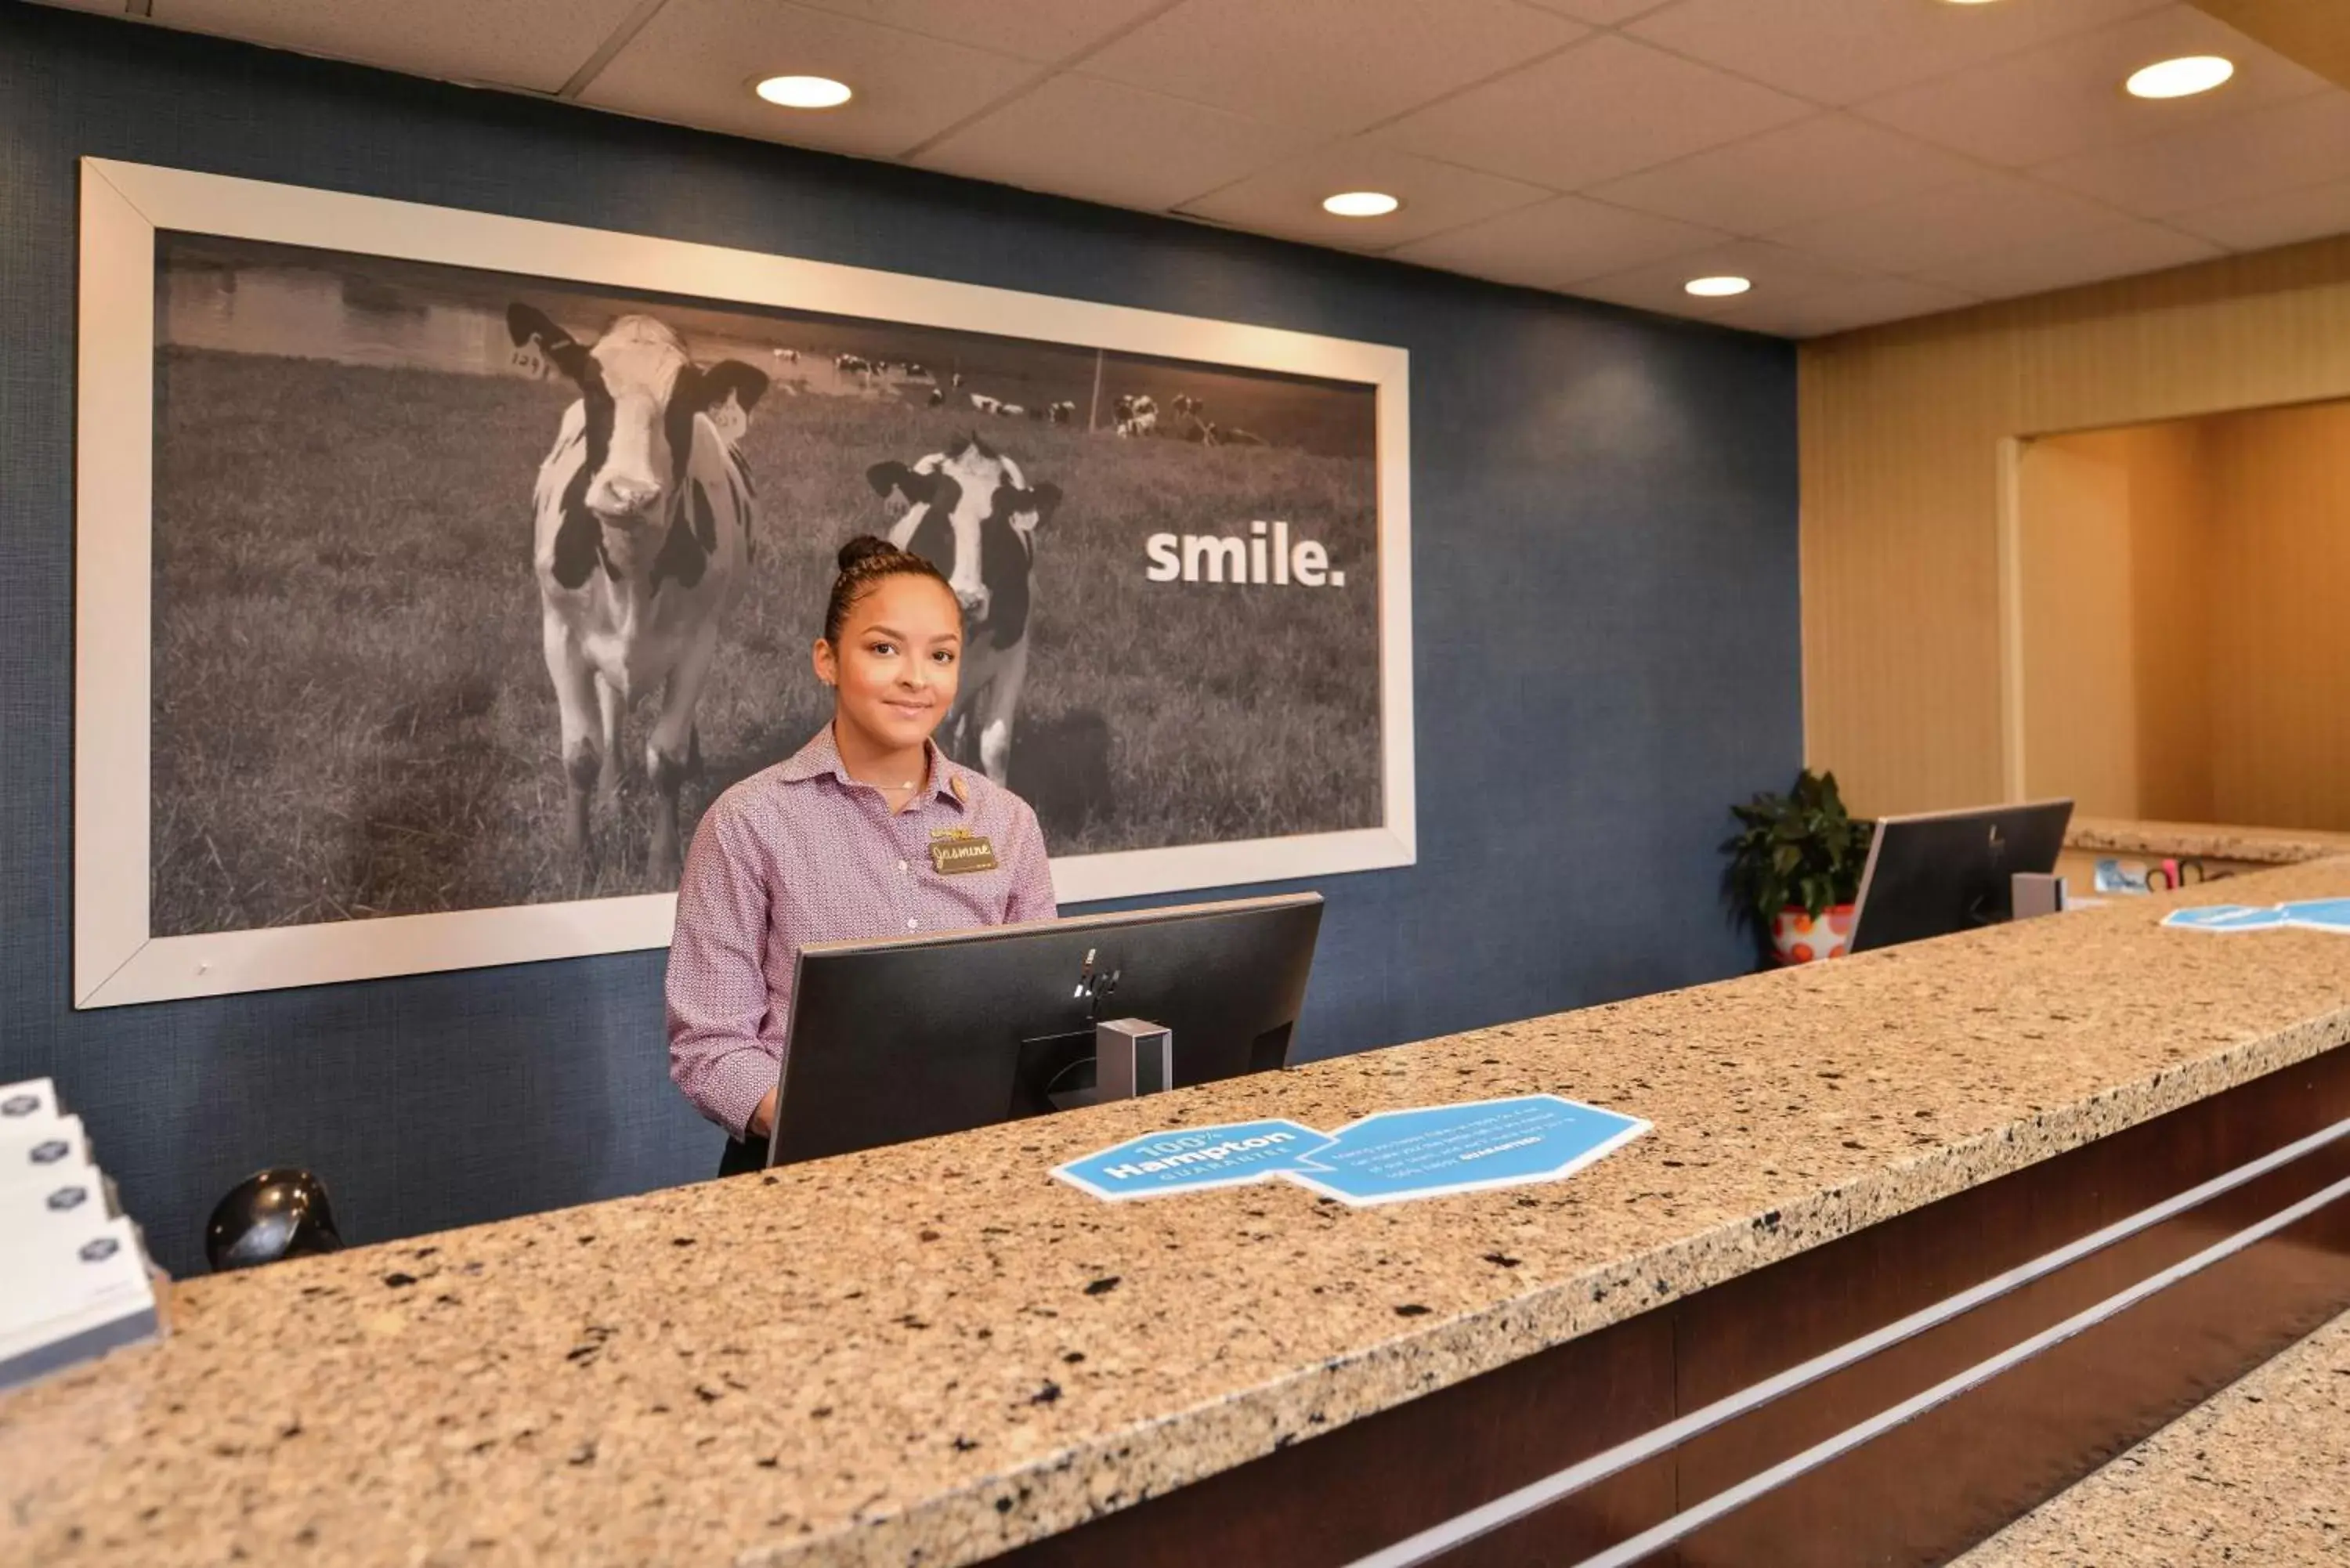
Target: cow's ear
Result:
[[884, 477], [733, 378], [530, 328], [1036, 505]]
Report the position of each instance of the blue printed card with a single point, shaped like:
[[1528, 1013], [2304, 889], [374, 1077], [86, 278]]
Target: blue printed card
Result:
[[1426, 1152], [2305, 915]]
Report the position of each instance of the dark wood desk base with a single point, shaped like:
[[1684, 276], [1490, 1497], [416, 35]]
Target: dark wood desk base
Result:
[[1917, 1492]]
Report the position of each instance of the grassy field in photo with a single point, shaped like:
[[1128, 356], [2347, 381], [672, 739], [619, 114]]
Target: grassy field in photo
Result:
[[352, 716]]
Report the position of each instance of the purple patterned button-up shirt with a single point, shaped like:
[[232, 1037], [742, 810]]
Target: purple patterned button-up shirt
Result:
[[802, 853]]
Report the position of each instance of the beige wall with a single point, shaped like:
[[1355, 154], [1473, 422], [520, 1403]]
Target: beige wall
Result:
[[2113, 538], [2281, 596], [1902, 428]]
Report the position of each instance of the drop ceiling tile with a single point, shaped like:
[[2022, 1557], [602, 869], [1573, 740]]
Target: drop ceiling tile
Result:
[[1334, 64], [2286, 218], [1286, 199], [1842, 51], [1076, 136], [694, 61], [1033, 29], [2117, 250], [1811, 169], [1778, 274], [1868, 303], [1552, 243], [2067, 97], [2302, 142], [1600, 12], [1605, 108], [533, 44], [1986, 211]]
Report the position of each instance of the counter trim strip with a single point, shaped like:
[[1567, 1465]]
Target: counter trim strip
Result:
[[1690, 1521], [1438, 1539]]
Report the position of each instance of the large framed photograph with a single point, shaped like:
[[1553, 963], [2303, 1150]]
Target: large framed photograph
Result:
[[437, 569]]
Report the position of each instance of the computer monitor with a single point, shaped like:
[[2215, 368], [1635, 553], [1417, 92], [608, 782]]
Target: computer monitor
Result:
[[908, 1037], [1946, 871]]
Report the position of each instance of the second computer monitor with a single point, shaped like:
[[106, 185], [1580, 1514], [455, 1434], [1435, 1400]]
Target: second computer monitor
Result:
[[1947, 871], [902, 1038]]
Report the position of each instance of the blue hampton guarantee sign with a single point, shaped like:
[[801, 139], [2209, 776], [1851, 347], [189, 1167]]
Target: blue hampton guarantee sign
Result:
[[1426, 1152]]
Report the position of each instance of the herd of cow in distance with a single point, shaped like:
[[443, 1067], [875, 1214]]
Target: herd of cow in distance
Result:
[[642, 538], [1134, 414]]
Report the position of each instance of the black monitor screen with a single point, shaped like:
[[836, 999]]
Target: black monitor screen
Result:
[[903, 1038], [1949, 871]]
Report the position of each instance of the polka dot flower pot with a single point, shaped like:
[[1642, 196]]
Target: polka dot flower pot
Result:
[[1799, 938]]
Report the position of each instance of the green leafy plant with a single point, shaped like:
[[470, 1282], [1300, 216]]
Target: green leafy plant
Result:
[[1798, 850]]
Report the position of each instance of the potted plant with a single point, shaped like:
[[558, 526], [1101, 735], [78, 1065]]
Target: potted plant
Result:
[[1795, 867]]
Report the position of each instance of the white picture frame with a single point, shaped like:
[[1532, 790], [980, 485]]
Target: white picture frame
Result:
[[117, 958]]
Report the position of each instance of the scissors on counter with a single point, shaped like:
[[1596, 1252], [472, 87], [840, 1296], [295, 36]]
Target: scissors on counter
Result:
[[2173, 874]]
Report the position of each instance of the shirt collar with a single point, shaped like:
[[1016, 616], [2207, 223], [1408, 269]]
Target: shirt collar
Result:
[[820, 758]]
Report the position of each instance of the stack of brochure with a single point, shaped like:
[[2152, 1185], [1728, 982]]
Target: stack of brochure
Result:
[[79, 1283]]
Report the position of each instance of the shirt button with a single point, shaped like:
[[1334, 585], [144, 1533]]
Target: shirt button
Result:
[[912, 924]]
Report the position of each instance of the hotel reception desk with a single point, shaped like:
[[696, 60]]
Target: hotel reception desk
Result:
[[1917, 1239]]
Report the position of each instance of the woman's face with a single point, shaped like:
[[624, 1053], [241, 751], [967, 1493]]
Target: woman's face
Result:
[[895, 668]]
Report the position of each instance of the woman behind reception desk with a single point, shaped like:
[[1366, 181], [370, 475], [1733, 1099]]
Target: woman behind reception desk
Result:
[[866, 831]]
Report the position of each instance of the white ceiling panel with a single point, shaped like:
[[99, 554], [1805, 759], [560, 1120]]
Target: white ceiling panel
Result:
[[1602, 108], [2067, 97], [1848, 307], [1842, 51], [1861, 160], [1780, 275], [1287, 200], [1600, 12], [694, 62], [2123, 248], [1556, 243], [1334, 65], [1117, 145], [1987, 212], [2286, 218], [2304, 142], [1827, 164], [1033, 29], [534, 44]]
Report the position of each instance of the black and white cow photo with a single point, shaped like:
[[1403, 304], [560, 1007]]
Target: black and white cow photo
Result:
[[475, 590]]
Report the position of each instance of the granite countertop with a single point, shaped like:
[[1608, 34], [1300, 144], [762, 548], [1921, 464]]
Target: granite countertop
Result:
[[2260, 846], [934, 1352], [2259, 1473]]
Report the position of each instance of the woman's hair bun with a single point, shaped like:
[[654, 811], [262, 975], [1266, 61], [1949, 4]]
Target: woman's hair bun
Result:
[[864, 547]]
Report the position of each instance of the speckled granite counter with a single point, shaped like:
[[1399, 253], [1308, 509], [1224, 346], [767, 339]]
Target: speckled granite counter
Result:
[[934, 1352], [2259, 1473], [2256, 845]]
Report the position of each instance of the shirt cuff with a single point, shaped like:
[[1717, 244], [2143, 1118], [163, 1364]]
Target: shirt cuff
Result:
[[737, 1083]]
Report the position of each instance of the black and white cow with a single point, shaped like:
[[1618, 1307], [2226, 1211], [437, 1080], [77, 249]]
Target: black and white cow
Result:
[[974, 514], [1138, 415], [641, 542]]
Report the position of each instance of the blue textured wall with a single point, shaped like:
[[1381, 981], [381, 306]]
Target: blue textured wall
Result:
[[1604, 586]]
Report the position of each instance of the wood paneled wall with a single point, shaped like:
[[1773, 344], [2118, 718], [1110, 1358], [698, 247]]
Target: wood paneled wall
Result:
[[1906, 436], [2113, 538], [2279, 611]]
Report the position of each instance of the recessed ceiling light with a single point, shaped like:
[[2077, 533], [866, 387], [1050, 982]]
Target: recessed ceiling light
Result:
[[2181, 78], [803, 92], [1717, 287], [1360, 203]]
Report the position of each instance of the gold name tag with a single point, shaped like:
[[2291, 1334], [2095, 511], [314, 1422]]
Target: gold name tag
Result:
[[954, 856]]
